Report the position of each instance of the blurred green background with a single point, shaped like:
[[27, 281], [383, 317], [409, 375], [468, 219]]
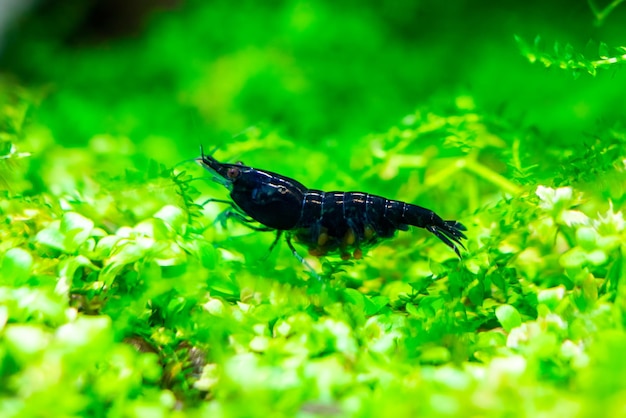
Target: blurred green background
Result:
[[317, 72]]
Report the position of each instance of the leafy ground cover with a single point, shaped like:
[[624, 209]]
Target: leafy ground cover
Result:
[[120, 295]]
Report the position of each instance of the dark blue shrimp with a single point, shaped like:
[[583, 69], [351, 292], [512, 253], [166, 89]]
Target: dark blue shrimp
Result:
[[325, 222]]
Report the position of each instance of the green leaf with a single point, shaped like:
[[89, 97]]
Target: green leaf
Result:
[[551, 297], [51, 237], [16, 266], [105, 246], [68, 234], [354, 297], [569, 52], [174, 216], [203, 250], [154, 228], [586, 238], [603, 51], [597, 257], [412, 309], [421, 285], [225, 287], [374, 304], [87, 331], [76, 229], [575, 257], [435, 355], [25, 341], [476, 294], [508, 317]]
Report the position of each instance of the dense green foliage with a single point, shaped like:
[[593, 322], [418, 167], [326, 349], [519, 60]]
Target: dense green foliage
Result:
[[120, 295]]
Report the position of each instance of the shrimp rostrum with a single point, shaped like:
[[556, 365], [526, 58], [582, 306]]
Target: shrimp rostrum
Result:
[[328, 223]]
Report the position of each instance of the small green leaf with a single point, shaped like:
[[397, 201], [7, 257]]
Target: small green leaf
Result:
[[207, 254], [586, 237], [76, 228], [421, 285], [51, 237], [557, 49], [597, 257], [354, 297], [374, 304], [591, 69], [575, 257], [106, 245], [476, 294], [68, 234], [153, 228], [222, 286], [412, 309], [520, 42], [590, 289], [132, 251], [16, 266], [568, 53], [603, 50], [174, 216], [203, 250], [25, 341], [551, 297], [435, 355], [508, 317], [86, 331]]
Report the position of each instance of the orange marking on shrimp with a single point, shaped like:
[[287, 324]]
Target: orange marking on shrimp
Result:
[[322, 239], [349, 237]]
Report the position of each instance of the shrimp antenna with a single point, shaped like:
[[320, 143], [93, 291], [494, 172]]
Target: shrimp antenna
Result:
[[202, 154], [188, 160]]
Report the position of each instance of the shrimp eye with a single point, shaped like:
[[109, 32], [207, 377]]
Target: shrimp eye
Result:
[[232, 173]]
